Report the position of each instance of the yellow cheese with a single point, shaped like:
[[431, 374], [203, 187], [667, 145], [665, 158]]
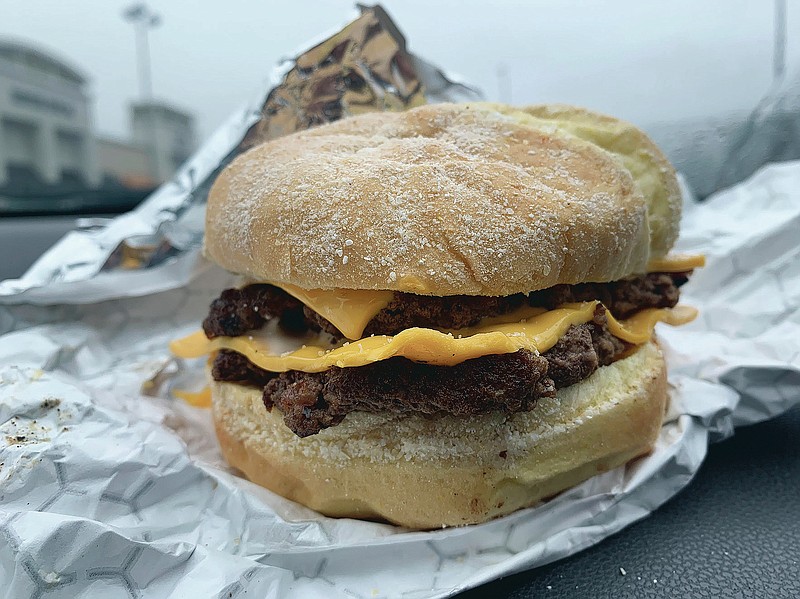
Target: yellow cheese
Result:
[[349, 310], [638, 328], [201, 399], [677, 263], [529, 328]]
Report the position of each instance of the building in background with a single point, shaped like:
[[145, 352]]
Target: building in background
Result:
[[125, 163], [166, 133], [162, 139], [47, 143], [45, 122]]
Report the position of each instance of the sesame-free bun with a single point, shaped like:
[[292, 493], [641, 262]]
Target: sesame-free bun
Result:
[[428, 472], [652, 173], [476, 199]]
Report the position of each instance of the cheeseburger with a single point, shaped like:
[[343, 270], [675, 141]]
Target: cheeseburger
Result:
[[446, 314]]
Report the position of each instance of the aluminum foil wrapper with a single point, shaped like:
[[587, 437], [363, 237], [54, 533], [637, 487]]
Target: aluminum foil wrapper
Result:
[[364, 67], [106, 491]]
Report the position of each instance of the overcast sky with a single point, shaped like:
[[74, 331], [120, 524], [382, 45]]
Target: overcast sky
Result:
[[639, 60]]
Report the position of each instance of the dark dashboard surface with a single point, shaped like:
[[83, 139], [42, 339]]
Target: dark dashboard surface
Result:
[[733, 532]]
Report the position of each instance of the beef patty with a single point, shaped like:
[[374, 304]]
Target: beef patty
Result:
[[509, 383], [237, 311]]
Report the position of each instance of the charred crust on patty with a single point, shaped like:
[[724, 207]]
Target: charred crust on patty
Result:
[[508, 383], [311, 402], [238, 311]]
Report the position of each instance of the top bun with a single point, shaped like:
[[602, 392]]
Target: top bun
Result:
[[446, 199]]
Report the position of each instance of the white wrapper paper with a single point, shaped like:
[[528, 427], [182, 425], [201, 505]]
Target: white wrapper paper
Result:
[[105, 492]]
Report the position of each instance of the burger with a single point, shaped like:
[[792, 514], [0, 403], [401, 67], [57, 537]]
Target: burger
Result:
[[445, 314]]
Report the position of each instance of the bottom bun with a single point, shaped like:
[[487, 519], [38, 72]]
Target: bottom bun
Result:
[[429, 472]]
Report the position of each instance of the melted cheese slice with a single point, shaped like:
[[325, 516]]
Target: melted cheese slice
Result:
[[349, 310], [533, 329], [200, 399], [639, 328], [677, 263]]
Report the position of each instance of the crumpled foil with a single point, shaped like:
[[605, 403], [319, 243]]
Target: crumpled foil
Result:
[[108, 492], [364, 67]]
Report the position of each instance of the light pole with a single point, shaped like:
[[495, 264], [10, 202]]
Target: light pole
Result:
[[504, 83], [779, 51], [143, 20]]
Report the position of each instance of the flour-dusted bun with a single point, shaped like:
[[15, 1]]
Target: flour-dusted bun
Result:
[[445, 199], [653, 174], [429, 472]]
